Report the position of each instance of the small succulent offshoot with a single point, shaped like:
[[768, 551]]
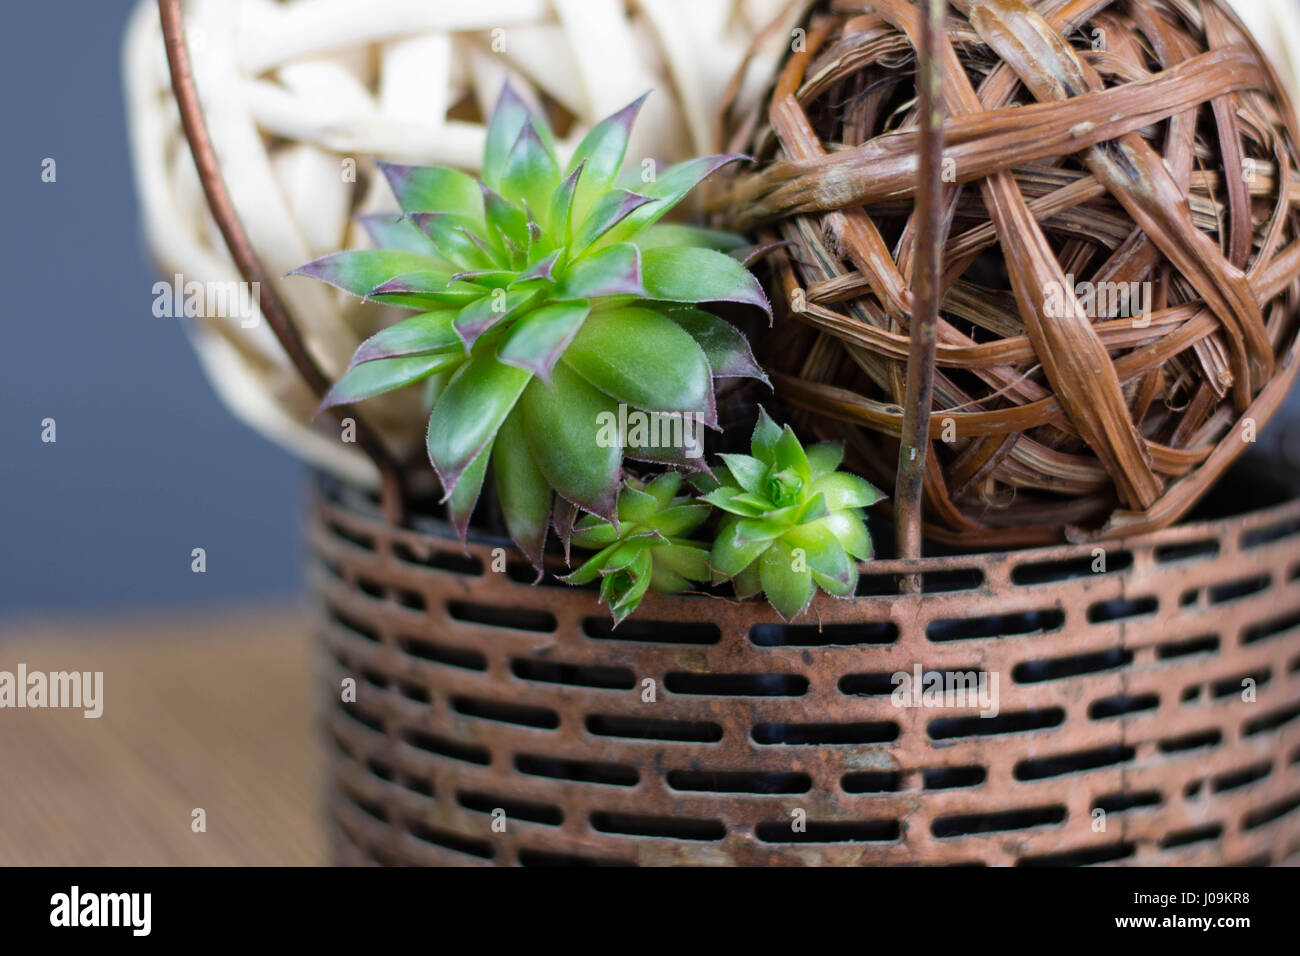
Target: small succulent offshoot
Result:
[[793, 524], [547, 295], [648, 549]]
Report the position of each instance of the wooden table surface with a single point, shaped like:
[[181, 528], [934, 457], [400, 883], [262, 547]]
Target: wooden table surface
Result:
[[201, 710]]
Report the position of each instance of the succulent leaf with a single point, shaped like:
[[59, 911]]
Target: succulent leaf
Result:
[[789, 462], [538, 339], [675, 520], [849, 531], [418, 335], [563, 517], [559, 418], [664, 487], [725, 499], [506, 124], [601, 153], [684, 274], [641, 358], [468, 413], [671, 455], [488, 278], [733, 552], [606, 213], [670, 187], [749, 472], [543, 270], [394, 231], [788, 588], [360, 271], [461, 502], [688, 562], [425, 289], [455, 238], [434, 189], [525, 494], [757, 531], [636, 505], [594, 536], [488, 312], [590, 569], [824, 458], [531, 171], [562, 205], [843, 490], [748, 582], [676, 234], [726, 349], [812, 509], [624, 588], [613, 271], [509, 220], [825, 557], [384, 375], [766, 435]]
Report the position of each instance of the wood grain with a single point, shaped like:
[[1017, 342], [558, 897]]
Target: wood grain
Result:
[[210, 710]]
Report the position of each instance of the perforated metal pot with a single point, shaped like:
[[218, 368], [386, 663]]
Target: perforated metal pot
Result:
[[1148, 708]]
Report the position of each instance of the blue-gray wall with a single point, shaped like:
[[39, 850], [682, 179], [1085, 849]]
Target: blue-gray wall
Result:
[[148, 464]]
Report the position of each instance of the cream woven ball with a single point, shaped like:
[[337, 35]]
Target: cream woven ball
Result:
[[298, 97]]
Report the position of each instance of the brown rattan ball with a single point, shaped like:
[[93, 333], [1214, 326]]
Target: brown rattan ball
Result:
[[1121, 270]]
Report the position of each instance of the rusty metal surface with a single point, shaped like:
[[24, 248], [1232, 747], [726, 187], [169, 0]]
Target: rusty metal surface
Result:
[[1119, 691]]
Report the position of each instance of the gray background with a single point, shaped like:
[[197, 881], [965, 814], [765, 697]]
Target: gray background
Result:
[[148, 464]]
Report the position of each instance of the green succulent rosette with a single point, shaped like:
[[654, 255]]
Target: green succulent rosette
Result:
[[793, 521], [546, 296], [648, 548]]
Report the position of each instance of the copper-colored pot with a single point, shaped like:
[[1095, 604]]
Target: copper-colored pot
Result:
[[1148, 708]]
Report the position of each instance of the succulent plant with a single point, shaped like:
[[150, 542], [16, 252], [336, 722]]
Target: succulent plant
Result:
[[648, 548], [794, 523], [546, 296]]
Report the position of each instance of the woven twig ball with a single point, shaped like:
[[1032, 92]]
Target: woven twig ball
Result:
[[300, 95], [1121, 272]]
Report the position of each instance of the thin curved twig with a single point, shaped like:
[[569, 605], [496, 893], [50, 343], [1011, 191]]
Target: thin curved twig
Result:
[[241, 250], [915, 445]]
